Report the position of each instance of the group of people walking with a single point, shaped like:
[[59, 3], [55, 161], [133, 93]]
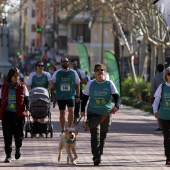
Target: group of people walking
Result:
[[66, 86], [94, 102]]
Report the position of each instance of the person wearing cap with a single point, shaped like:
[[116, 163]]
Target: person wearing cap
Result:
[[161, 108]]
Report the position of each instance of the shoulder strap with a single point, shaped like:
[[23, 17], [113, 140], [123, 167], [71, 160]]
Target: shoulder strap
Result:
[[163, 84]]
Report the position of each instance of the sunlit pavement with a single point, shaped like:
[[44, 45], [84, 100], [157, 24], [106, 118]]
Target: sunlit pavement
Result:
[[130, 144]]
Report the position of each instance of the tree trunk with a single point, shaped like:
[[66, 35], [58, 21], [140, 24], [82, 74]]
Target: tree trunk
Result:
[[153, 61], [161, 50], [132, 68]]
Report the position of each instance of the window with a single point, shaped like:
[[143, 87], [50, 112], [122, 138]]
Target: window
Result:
[[33, 43], [33, 13], [62, 42], [33, 27], [37, 12], [80, 33]]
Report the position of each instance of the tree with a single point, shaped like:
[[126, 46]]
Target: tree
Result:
[[143, 14], [128, 16]]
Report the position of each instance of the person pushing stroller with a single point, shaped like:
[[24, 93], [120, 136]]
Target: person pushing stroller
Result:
[[39, 78]]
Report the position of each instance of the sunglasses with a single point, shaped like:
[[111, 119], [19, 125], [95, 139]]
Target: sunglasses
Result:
[[99, 69], [64, 61], [40, 65], [168, 74]]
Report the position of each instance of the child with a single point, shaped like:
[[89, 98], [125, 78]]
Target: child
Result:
[[14, 106]]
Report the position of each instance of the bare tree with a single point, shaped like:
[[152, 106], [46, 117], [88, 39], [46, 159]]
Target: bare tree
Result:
[[131, 16], [127, 15]]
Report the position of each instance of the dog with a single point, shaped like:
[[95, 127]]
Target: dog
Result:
[[68, 141]]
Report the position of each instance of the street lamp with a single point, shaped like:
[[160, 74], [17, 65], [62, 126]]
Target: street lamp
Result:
[[139, 38]]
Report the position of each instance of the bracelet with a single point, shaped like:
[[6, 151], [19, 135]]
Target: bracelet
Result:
[[77, 96]]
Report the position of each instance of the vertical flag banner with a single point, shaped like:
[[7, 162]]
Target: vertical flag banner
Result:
[[113, 69], [83, 57]]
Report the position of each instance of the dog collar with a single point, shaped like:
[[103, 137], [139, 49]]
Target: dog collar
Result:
[[70, 141]]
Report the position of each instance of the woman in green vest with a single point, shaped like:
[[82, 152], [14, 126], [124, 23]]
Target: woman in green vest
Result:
[[161, 108], [14, 106], [100, 93]]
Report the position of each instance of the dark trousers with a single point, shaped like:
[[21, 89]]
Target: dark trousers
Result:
[[12, 126], [166, 133], [98, 134], [77, 106]]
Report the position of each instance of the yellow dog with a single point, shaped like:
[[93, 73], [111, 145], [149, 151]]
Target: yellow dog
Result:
[[68, 141]]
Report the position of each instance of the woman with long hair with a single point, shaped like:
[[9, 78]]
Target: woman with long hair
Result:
[[14, 99]]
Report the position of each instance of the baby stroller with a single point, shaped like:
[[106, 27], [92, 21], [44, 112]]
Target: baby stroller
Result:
[[39, 108]]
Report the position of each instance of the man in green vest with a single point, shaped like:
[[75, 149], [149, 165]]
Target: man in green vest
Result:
[[66, 85]]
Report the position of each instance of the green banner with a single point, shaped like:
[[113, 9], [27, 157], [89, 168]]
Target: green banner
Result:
[[113, 69], [83, 57]]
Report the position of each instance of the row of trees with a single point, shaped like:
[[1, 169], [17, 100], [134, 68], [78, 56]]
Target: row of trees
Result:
[[132, 16]]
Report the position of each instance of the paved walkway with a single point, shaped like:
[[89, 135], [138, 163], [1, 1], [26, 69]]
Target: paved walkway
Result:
[[131, 144]]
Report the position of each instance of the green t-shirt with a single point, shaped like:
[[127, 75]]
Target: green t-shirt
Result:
[[100, 98], [11, 103], [41, 81], [65, 85]]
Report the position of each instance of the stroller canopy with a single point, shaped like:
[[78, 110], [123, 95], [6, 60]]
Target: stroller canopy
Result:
[[39, 93]]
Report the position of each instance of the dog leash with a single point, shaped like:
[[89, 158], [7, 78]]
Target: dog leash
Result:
[[101, 120], [78, 121]]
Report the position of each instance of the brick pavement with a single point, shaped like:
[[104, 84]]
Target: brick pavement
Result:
[[131, 144]]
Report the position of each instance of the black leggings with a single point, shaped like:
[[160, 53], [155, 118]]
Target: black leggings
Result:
[[166, 133], [12, 125]]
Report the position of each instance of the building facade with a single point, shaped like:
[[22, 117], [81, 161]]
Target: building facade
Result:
[[57, 39]]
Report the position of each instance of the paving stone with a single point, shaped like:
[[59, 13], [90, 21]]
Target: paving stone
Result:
[[131, 144]]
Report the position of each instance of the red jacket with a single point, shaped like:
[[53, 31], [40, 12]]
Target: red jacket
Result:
[[20, 106]]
